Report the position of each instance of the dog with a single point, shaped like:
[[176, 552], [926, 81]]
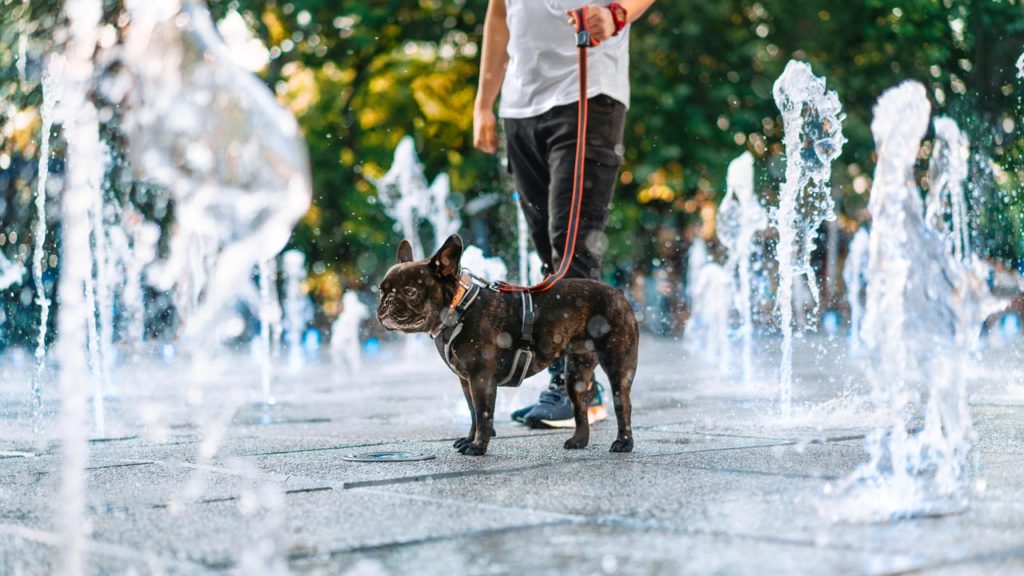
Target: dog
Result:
[[490, 338]]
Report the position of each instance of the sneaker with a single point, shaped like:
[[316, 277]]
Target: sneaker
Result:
[[554, 408], [520, 415]]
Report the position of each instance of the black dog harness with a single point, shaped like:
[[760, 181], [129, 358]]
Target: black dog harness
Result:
[[468, 289]]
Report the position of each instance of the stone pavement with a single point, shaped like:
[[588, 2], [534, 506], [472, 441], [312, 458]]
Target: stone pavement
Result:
[[716, 485]]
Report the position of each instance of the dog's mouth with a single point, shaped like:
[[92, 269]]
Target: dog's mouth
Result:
[[402, 323]]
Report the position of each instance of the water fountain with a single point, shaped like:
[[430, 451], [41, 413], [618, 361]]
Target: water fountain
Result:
[[345, 343], [10, 272], [855, 276], [84, 174], [696, 258], [946, 207], [491, 269], [235, 165], [408, 200], [707, 330], [812, 118], [270, 323], [136, 246], [443, 219], [297, 313], [923, 315], [228, 155], [740, 218]]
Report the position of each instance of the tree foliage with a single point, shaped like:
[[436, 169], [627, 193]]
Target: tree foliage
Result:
[[360, 75]]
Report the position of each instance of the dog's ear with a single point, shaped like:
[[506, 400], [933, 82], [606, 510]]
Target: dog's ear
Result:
[[404, 252], [446, 261]]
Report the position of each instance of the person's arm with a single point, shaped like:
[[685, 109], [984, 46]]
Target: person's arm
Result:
[[493, 60], [601, 23]]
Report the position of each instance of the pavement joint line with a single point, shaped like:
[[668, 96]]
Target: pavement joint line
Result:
[[475, 504], [296, 557], [699, 432], [994, 555], [617, 520], [496, 471], [324, 449], [94, 546], [740, 471], [234, 498], [106, 440], [442, 476], [122, 465]]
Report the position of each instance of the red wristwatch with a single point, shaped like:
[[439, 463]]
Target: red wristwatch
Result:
[[618, 16]]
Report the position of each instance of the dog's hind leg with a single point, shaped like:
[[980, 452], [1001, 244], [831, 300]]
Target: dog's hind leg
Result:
[[579, 379], [619, 361]]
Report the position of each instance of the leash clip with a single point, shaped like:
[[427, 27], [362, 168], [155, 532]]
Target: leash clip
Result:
[[583, 39]]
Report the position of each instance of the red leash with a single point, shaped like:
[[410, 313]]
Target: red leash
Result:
[[582, 43]]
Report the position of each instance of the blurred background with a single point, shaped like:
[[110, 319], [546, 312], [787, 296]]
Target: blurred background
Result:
[[360, 76]]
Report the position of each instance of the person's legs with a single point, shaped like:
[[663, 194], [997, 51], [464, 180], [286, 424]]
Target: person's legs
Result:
[[556, 132], [604, 142], [528, 162]]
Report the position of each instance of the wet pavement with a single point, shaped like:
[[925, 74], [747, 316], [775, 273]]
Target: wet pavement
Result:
[[717, 484]]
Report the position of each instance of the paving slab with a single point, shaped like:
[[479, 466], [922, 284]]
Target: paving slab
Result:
[[718, 483]]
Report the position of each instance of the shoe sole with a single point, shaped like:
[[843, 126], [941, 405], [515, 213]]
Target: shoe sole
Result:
[[594, 414]]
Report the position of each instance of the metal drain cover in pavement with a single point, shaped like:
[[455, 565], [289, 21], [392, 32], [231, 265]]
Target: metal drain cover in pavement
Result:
[[387, 457]]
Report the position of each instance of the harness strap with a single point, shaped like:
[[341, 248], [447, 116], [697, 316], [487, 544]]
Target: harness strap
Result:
[[451, 326], [527, 319], [583, 41]]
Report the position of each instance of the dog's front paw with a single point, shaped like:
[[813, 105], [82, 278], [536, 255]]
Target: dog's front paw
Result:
[[622, 445], [462, 442], [576, 443], [471, 449]]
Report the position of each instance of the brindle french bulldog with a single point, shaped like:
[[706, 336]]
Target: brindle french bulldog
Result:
[[586, 320]]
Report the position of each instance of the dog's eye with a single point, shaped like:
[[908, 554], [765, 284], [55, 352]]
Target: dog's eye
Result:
[[410, 291]]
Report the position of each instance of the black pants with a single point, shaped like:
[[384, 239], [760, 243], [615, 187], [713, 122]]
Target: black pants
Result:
[[542, 154]]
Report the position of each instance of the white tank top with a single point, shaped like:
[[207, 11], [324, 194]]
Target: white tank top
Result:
[[543, 70]]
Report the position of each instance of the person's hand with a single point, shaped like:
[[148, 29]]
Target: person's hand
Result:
[[599, 22], [485, 130]]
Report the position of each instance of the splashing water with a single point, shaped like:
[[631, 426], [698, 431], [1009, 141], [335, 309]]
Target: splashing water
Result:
[[408, 200], [740, 218], [297, 313], [86, 157], [1020, 66], [235, 167], [10, 272], [696, 258], [212, 134], [522, 241], [923, 313], [404, 194], [140, 253], [53, 73], [270, 320], [443, 219], [491, 269], [707, 331], [855, 276], [812, 119], [345, 348], [947, 172]]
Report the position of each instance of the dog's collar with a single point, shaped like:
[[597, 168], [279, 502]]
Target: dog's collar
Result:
[[466, 291]]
